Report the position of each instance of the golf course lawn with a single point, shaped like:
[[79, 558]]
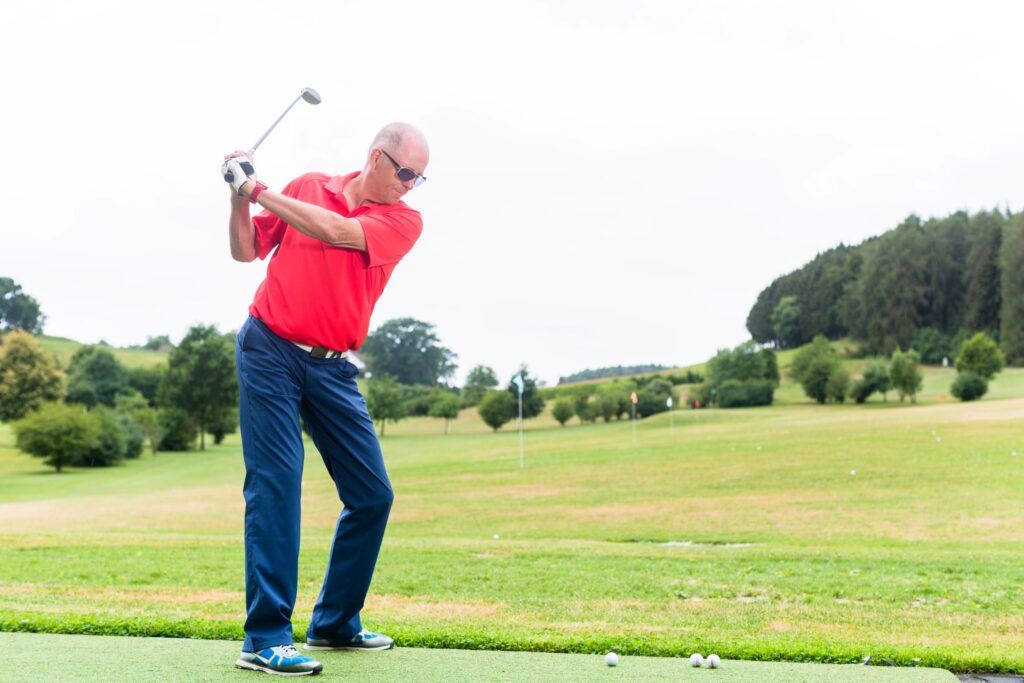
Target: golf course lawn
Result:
[[89, 658], [796, 532]]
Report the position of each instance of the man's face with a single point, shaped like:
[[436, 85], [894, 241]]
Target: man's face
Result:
[[387, 188]]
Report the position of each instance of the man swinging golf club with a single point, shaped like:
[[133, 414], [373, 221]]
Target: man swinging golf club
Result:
[[337, 241]]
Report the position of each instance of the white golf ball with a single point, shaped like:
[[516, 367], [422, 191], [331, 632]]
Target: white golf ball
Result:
[[495, 537], [611, 659], [714, 662], [696, 659]]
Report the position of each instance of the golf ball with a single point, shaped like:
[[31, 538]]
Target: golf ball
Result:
[[714, 662], [696, 659], [495, 537], [611, 659]]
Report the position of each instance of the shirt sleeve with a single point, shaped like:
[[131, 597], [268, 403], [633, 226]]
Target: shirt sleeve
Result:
[[390, 236], [269, 228]]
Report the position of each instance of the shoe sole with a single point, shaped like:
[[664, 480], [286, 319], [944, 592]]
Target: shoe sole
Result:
[[307, 646], [253, 666]]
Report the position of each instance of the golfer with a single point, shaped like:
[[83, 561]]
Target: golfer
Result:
[[337, 241]]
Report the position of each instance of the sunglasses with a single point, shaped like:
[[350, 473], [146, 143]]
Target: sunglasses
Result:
[[404, 173]]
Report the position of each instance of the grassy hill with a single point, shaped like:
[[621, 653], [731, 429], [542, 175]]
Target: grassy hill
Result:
[[64, 348]]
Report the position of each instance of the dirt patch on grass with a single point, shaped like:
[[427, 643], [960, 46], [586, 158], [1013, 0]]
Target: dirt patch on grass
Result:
[[520, 492], [422, 607], [208, 508]]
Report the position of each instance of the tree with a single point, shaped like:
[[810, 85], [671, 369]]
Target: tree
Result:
[[445, 405], [813, 366], [983, 298], [480, 380], [146, 380], [563, 411], [496, 408], [409, 351], [838, 384], [29, 376], [62, 434], [201, 377], [385, 401], [981, 356], [112, 445], [533, 402], [584, 408], [178, 431], [932, 344], [1011, 317], [968, 386], [135, 405], [786, 322], [875, 378], [18, 311], [95, 377], [223, 421], [905, 374]]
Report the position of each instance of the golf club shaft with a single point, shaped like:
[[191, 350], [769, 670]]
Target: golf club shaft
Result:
[[274, 125]]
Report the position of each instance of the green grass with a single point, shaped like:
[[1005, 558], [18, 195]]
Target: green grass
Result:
[[103, 659], [63, 349], [915, 558]]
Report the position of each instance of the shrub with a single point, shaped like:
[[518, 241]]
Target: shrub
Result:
[[980, 356], [968, 386], [861, 390], [134, 438], [736, 394], [63, 434], [563, 411], [813, 365], [223, 422], [838, 384], [906, 376], [178, 430], [445, 405], [497, 407], [111, 446]]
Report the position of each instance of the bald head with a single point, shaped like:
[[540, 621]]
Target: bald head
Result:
[[394, 135]]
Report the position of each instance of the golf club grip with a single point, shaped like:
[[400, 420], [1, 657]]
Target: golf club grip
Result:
[[246, 166]]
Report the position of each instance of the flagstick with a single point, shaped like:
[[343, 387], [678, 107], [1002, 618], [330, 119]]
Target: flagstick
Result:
[[521, 463], [634, 425]]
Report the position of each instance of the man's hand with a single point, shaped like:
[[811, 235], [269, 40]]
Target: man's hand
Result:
[[238, 170]]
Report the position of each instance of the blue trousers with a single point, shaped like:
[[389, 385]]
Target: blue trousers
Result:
[[279, 382]]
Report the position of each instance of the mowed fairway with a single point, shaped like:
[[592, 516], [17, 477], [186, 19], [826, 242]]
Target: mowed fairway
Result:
[[800, 532]]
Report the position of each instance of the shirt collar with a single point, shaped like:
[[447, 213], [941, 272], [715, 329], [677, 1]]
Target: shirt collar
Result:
[[337, 184]]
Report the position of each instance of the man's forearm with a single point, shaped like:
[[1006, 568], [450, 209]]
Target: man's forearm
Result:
[[241, 231], [314, 221]]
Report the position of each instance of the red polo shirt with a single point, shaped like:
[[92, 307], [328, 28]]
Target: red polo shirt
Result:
[[321, 295]]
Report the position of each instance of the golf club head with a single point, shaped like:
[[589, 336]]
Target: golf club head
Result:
[[311, 96]]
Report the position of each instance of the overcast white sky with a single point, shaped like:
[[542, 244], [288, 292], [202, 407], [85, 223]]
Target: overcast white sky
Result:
[[610, 183]]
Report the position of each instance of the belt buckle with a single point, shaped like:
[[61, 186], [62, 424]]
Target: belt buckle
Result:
[[320, 352]]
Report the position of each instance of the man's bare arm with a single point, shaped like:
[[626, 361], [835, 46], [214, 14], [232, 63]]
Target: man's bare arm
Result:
[[311, 220], [241, 231]]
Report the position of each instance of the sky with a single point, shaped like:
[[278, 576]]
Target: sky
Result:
[[610, 182]]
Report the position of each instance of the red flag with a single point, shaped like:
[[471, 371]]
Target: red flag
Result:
[[633, 398], [697, 403]]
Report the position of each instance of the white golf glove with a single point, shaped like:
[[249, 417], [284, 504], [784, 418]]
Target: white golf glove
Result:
[[238, 170]]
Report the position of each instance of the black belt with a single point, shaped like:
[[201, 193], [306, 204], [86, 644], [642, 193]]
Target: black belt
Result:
[[322, 351]]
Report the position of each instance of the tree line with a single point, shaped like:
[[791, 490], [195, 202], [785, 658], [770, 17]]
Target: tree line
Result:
[[98, 412], [927, 285]]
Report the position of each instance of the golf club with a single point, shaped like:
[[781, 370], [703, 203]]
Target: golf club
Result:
[[307, 94]]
